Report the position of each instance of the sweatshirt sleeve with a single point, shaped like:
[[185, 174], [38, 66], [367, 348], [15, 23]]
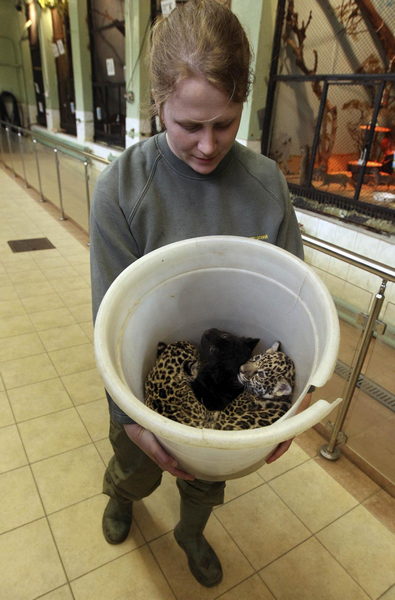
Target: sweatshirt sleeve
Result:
[[112, 249], [289, 236]]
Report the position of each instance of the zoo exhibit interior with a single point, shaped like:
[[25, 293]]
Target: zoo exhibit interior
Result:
[[74, 94]]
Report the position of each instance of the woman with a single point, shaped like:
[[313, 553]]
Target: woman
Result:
[[193, 180]]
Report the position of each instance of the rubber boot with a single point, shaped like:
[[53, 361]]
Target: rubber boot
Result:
[[117, 520], [202, 560]]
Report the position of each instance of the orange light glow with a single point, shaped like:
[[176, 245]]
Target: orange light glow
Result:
[[370, 163], [377, 128]]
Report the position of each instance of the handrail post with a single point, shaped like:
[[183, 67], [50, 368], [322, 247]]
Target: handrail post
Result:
[[62, 217], [329, 451], [22, 158], [10, 151], [88, 200], [2, 148], [38, 170]]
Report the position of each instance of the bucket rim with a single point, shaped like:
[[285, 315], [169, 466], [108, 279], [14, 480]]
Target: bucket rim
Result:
[[167, 428]]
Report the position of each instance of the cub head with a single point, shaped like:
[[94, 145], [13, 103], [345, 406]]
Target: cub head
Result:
[[226, 350], [269, 375]]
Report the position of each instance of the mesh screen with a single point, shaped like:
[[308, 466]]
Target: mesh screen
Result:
[[337, 38]]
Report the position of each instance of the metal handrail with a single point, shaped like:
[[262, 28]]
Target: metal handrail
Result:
[[57, 143], [352, 258], [385, 272]]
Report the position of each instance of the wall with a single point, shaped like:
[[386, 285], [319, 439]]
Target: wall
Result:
[[14, 51], [258, 19]]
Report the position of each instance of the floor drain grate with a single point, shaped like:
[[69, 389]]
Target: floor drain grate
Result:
[[370, 387], [30, 245]]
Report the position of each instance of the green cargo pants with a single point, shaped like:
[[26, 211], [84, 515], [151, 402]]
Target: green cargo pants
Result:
[[132, 475]]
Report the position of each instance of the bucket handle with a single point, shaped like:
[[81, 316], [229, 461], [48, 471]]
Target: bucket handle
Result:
[[290, 428]]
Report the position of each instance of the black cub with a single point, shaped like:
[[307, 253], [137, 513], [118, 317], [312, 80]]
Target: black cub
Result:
[[222, 355]]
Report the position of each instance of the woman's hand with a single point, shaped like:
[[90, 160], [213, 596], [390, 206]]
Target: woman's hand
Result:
[[283, 447], [147, 442]]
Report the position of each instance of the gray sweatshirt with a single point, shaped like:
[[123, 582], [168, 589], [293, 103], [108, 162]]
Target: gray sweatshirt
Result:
[[148, 198]]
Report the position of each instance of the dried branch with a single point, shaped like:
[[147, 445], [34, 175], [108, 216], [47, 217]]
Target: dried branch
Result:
[[293, 30]]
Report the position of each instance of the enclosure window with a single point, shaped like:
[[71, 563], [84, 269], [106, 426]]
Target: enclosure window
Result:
[[330, 116]]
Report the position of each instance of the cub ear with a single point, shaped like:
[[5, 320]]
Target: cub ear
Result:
[[161, 348], [274, 348], [283, 388], [252, 342]]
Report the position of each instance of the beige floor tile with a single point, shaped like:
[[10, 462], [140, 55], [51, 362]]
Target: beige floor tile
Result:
[[238, 487], [349, 476], [313, 495], [364, 412], [5, 281], [95, 417], [12, 454], [7, 292], [310, 441], [63, 337], [20, 502], [6, 416], [29, 290], [74, 359], [30, 564], [390, 595], [309, 571], [60, 273], [20, 346], [75, 297], [377, 446], [83, 269], [15, 326], [39, 399], [84, 386], [40, 303], [82, 313], [382, 506], [69, 283], [25, 371], [78, 534], [262, 525], [79, 258], [292, 458], [173, 563], [31, 276], [105, 450], [15, 264], [69, 477], [11, 308], [49, 262], [50, 319], [364, 547], [160, 512], [52, 434], [88, 329], [62, 593], [135, 576], [251, 589]]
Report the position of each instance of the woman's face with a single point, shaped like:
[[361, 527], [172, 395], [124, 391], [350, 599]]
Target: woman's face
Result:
[[201, 124]]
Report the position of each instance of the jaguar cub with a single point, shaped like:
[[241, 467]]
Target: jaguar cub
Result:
[[261, 387]]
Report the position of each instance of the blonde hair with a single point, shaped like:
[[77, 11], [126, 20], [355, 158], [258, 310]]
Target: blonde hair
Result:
[[200, 39]]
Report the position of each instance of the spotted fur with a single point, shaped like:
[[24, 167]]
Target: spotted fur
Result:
[[268, 380]]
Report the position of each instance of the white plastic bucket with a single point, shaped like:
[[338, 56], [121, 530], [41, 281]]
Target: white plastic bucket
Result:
[[244, 286]]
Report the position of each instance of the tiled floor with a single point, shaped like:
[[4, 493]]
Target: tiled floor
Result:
[[301, 528]]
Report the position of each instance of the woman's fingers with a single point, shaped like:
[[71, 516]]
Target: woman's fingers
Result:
[[279, 451], [148, 443]]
